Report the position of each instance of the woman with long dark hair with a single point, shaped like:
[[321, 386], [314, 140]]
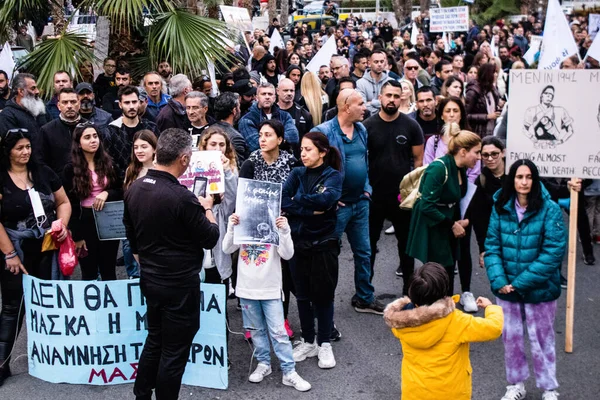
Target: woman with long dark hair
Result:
[[309, 198], [524, 249], [483, 101], [90, 181], [22, 229]]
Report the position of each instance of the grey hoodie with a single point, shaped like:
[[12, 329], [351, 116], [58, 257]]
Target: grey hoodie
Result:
[[369, 90]]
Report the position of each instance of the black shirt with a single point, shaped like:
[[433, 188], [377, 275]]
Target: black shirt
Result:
[[168, 228], [390, 151], [429, 128]]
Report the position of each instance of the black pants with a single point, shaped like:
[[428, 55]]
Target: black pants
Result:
[[287, 286], [465, 262], [173, 316], [11, 317], [102, 255], [387, 208]]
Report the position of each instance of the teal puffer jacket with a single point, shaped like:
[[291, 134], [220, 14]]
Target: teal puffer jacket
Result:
[[527, 254]]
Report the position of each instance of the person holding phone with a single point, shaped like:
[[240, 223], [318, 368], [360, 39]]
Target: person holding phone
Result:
[[90, 181]]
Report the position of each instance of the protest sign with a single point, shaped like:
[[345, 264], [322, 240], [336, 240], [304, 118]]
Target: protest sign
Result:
[[554, 120], [109, 221], [534, 49], [237, 17], [593, 25], [258, 204], [449, 19], [93, 333], [558, 42], [207, 164]]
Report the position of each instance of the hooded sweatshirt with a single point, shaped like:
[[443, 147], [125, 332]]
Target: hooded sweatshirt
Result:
[[435, 343], [369, 90], [274, 80]]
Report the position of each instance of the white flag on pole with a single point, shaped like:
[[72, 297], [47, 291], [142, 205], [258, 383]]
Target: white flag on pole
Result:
[[594, 50], [323, 56], [7, 64], [276, 41], [494, 46], [446, 43], [413, 34], [558, 42]]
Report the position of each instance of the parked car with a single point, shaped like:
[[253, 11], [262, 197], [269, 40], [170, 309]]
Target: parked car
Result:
[[18, 53], [313, 22]]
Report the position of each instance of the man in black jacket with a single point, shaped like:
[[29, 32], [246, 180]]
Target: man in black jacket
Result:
[[285, 101], [168, 228], [89, 111], [227, 113], [56, 137], [173, 114], [118, 140]]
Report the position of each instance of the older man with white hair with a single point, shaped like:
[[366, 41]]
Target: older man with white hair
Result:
[[173, 115]]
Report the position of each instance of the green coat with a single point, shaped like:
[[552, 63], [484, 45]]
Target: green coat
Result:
[[430, 237]]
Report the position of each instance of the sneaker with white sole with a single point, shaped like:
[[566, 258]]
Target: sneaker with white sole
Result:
[[304, 350], [390, 230], [295, 380], [259, 373], [550, 395], [515, 392], [468, 301], [326, 358]]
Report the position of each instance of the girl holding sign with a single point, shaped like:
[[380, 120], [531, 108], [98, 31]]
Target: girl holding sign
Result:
[[142, 159], [309, 197], [90, 181]]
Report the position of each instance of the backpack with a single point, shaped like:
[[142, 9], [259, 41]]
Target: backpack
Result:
[[409, 187]]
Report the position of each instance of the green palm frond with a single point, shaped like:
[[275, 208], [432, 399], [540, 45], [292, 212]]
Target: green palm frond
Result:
[[65, 52], [13, 12], [187, 41], [128, 12]]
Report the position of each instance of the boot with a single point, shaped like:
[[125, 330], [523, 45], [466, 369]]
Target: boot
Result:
[[4, 362]]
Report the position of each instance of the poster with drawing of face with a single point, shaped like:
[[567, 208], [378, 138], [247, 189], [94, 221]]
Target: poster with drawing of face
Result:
[[258, 204], [205, 164], [554, 120]]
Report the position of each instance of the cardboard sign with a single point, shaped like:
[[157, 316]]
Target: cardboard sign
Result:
[[109, 221], [258, 205], [449, 19]]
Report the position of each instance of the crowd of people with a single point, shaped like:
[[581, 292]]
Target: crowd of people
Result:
[[340, 141]]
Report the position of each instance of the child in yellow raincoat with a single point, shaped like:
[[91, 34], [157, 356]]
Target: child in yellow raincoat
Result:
[[435, 337]]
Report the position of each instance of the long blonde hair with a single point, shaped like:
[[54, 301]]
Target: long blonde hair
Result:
[[412, 99], [313, 95]]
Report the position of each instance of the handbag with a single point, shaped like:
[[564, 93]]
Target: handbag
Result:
[[409, 186]]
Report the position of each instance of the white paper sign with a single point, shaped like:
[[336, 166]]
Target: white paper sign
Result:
[[449, 19], [205, 164], [237, 17], [554, 120], [594, 25]]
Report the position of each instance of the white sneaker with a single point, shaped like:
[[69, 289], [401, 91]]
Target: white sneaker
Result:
[[468, 301], [326, 358], [259, 373], [515, 392], [390, 230], [550, 395], [304, 350], [295, 380]]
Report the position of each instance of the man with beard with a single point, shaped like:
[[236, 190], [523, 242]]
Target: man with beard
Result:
[[270, 72], [196, 107], [61, 80], [247, 93], [56, 137], [324, 75], [294, 73], [373, 80], [227, 113], [110, 102], [105, 82], [157, 100], [505, 57], [285, 101], [165, 70], [5, 92], [360, 63], [119, 138], [339, 69], [265, 108], [89, 111], [395, 143], [425, 114], [174, 115], [26, 110]]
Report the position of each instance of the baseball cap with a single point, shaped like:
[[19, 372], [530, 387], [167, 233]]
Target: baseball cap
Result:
[[84, 86], [244, 88]]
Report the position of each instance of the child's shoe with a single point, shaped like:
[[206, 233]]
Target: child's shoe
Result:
[[295, 380], [305, 350], [515, 392], [468, 301], [326, 358], [260, 372]]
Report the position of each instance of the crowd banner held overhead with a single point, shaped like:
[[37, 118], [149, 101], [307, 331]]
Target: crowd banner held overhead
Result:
[[258, 205], [534, 48], [109, 221], [323, 56], [237, 17], [449, 19], [593, 25], [276, 41], [558, 42], [207, 164], [7, 63], [92, 333]]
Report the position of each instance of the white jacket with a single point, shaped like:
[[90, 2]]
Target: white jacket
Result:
[[259, 265]]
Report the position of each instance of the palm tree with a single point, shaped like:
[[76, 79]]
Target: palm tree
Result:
[[188, 41]]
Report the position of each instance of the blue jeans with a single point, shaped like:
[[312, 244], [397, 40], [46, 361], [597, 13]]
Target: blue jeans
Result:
[[260, 316], [131, 266], [354, 220]]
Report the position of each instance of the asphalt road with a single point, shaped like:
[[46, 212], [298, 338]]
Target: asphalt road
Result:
[[368, 356]]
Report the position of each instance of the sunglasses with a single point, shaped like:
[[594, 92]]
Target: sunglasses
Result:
[[493, 155], [12, 131], [412, 68]]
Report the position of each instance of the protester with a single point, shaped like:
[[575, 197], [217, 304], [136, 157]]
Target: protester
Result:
[[524, 249], [88, 110], [61, 80], [167, 227], [173, 115], [369, 86], [483, 104], [426, 115], [105, 82], [142, 160], [309, 197], [408, 102], [110, 101], [22, 231], [5, 92], [157, 98], [227, 113], [315, 98], [285, 100], [196, 108], [90, 181], [435, 336]]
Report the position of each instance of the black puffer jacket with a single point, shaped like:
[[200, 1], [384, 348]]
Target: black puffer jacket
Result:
[[14, 116]]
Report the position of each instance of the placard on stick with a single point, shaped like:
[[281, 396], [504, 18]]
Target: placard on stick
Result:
[[109, 221], [258, 204]]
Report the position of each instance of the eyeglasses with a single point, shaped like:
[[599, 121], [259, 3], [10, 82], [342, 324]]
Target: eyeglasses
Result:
[[411, 68], [493, 155]]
